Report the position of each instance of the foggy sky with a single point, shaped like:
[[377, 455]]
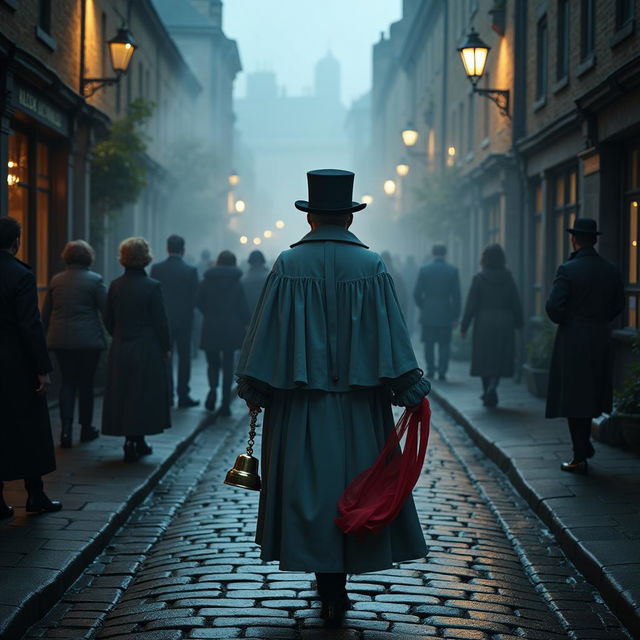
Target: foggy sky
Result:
[[290, 36]]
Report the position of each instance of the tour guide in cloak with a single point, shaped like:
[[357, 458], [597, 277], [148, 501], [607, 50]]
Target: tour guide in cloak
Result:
[[327, 353]]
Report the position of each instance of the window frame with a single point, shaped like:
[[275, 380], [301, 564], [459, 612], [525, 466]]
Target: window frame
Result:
[[542, 60], [587, 31], [561, 214], [563, 44], [631, 195]]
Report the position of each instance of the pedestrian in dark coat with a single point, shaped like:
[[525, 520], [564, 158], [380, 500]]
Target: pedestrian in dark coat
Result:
[[71, 315], [179, 287], [226, 314], [26, 445], [587, 294], [253, 281], [493, 304], [137, 397], [437, 295]]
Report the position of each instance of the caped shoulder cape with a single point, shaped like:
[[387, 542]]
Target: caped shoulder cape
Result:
[[328, 319]]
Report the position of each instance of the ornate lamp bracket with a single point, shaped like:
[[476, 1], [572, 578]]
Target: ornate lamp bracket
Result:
[[91, 85], [498, 96]]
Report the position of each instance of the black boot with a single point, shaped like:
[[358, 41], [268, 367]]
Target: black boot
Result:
[[65, 436], [333, 594], [37, 499], [88, 433], [130, 451], [142, 448]]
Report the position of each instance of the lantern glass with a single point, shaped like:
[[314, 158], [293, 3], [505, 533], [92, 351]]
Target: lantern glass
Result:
[[410, 136], [402, 169], [121, 49], [240, 206], [473, 53], [280, 224], [389, 187], [234, 178]]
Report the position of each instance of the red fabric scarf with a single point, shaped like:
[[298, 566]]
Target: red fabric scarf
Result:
[[376, 496]]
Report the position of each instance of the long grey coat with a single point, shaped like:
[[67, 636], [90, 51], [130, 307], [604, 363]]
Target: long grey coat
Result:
[[136, 398], [72, 310], [587, 295], [494, 307]]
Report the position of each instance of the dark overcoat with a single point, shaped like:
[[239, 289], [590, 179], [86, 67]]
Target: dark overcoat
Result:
[[587, 294], [437, 295], [493, 304], [253, 284], [224, 306], [179, 287], [26, 445], [136, 397]]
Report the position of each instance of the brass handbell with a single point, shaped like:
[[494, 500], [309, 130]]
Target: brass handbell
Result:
[[244, 473]]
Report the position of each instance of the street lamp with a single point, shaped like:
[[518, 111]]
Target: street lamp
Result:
[[402, 169], [410, 135], [367, 199], [389, 187], [257, 241], [240, 206], [244, 239], [234, 178], [121, 50], [473, 53], [280, 224], [268, 233]]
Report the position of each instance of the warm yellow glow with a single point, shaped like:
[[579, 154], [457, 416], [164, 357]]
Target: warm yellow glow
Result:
[[402, 169], [409, 137], [240, 206], [244, 239], [389, 187], [634, 204], [280, 224], [634, 243], [121, 50], [12, 179], [234, 178], [257, 241], [11, 164], [268, 233], [474, 61], [367, 199], [451, 151]]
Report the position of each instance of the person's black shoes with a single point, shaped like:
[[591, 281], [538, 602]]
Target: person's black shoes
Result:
[[143, 449], [591, 452], [131, 451], [580, 467], [490, 399], [40, 503], [210, 402], [187, 403], [332, 611], [87, 434], [5, 511]]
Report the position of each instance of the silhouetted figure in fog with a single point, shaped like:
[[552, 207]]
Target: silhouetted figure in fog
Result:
[[26, 445], [493, 304], [71, 315], [587, 295], [226, 315], [398, 281], [253, 281], [137, 396], [437, 295], [204, 264], [179, 287]]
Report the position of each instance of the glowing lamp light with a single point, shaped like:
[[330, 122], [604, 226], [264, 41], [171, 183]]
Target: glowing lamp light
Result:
[[410, 136], [389, 187], [280, 224], [473, 53], [244, 239], [240, 206], [234, 178], [367, 199], [121, 50], [451, 151], [257, 241], [268, 233], [634, 204], [402, 169]]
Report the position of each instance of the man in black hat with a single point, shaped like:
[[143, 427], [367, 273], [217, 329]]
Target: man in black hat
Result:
[[254, 279], [587, 295]]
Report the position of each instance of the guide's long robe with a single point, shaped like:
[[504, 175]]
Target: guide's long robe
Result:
[[326, 350]]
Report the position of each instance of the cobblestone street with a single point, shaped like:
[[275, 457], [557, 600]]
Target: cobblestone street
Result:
[[185, 566]]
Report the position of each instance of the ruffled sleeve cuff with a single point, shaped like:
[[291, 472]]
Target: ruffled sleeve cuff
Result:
[[254, 391], [410, 388]]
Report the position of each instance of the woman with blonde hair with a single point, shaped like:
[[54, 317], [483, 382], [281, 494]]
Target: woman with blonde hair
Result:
[[137, 398], [71, 316]]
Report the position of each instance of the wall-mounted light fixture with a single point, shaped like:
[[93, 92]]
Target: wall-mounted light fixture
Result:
[[234, 178], [409, 135], [474, 52], [402, 169], [389, 187], [121, 50]]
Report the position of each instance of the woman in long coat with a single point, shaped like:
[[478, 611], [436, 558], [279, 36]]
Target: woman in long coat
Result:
[[71, 315], [222, 301], [137, 397], [493, 305]]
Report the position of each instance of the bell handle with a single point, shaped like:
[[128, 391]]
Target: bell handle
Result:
[[252, 429]]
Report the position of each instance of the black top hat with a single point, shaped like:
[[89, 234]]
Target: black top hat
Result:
[[585, 225], [330, 191]]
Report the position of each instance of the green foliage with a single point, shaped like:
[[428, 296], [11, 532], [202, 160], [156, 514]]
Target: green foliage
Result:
[[438, 208], [541, 345], [627, 398], [118, 170]]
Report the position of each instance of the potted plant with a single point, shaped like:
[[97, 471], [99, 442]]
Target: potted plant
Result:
[[626, 410], [536, 369]]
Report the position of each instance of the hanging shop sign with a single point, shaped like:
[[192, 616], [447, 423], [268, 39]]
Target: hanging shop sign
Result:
[[41, 109]]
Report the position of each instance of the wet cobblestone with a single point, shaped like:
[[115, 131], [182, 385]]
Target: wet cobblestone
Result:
[[185, 566]]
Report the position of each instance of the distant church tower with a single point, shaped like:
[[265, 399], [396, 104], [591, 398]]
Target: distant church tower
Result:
[[327, 78], [210, 8]]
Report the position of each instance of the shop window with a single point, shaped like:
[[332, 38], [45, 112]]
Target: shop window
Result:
[[43, 198], [542, 62], [18, 180], [624, 13], [587, 30], [538, 249], [565, 210], [632, 242], [562, 55], [493, 221]]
